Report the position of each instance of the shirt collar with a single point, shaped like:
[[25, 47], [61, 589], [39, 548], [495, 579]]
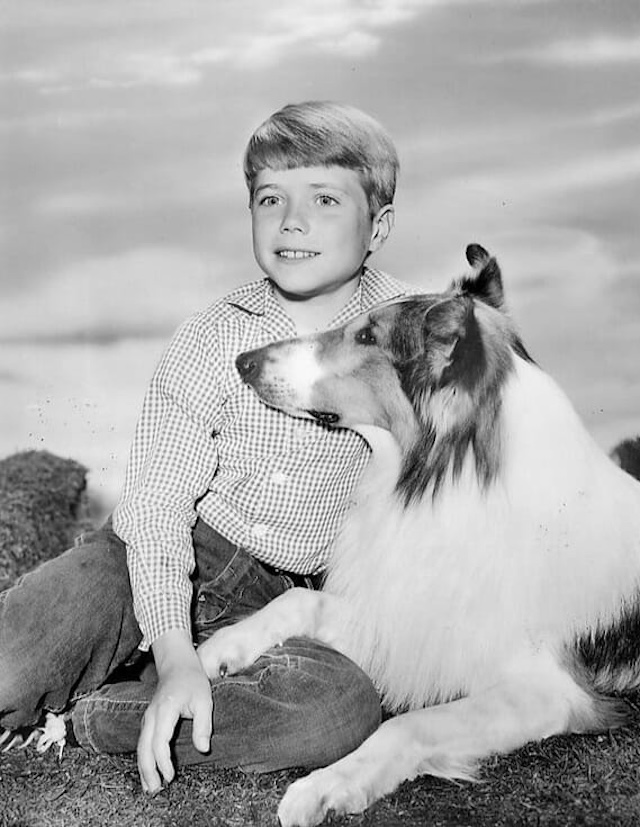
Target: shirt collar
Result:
[[374, 287], [251, 297]]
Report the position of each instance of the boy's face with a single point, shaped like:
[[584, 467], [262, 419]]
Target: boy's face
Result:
[[312, 228]]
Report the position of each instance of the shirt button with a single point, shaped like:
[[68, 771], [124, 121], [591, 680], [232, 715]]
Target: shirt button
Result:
[[279, 478], [260, 529]]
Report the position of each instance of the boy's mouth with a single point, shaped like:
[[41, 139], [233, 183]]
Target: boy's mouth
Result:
[[296, 254]]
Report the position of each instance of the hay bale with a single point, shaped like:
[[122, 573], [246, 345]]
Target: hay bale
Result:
[[43, 506], [627, 455]]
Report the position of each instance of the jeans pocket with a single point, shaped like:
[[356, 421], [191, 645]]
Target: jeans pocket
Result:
[[230, 595], [241, 587], [216, 608]]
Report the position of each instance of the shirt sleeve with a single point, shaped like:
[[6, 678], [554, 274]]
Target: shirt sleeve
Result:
[[172, 461]]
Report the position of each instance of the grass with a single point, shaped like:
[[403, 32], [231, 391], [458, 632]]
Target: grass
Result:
[[591, 781]]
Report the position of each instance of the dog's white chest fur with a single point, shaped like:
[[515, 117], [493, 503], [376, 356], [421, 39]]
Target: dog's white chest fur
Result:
[[421, 594], [444, 594]]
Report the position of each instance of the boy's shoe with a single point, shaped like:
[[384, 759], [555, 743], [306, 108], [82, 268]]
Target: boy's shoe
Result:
[[53, 731]]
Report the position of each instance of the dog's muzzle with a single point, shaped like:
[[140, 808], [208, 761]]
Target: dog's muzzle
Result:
[[250, 367]]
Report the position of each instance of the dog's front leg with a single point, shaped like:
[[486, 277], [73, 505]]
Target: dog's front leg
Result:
[[296, 613], [447, 741]]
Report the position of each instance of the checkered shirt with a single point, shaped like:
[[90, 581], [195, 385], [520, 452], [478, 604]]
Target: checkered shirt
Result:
[[206, 446]]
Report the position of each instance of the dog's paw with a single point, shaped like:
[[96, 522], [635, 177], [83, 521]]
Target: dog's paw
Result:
[[308, 801], [230, 650]]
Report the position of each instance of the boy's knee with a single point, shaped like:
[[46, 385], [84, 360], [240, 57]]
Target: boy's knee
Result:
[[300, 705], [352, 712], [337, 706]]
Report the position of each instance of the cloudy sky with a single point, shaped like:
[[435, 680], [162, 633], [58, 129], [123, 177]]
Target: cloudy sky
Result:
[[122, 127]]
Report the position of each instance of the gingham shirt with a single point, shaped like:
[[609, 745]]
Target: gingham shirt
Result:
[[205, 445]]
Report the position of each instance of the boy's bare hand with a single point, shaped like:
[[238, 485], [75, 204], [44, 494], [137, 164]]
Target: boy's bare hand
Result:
[[183, 692]]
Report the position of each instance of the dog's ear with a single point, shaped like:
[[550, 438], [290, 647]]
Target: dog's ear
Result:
[[486, 282], [467, 361], [453, 343], [477, 256]]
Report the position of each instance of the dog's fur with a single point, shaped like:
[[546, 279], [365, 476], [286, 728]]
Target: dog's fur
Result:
[[487, 577]]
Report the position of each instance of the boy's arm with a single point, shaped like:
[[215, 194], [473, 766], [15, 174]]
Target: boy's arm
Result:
[[173, 459]]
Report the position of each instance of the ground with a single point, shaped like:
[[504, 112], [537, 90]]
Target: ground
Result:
[[591, 780]]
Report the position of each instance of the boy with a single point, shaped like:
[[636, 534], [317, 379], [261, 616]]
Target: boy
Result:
[[226, 502]]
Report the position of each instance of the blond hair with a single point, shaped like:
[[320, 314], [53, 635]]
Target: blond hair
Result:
[[324, 133]]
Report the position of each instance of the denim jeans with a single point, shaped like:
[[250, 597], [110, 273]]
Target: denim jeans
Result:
[[68, 638]]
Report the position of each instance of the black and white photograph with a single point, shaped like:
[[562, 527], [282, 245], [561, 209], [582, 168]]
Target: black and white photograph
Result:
[[320, 413]]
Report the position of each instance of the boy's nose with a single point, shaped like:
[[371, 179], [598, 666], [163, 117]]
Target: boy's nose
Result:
[[294, 220]]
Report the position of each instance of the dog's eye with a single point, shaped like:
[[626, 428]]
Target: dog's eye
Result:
[[365, 337]]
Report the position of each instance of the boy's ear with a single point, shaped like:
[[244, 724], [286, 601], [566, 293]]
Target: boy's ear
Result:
[[381, 227]]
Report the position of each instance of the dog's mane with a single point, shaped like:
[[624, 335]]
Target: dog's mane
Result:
[[453, 354]]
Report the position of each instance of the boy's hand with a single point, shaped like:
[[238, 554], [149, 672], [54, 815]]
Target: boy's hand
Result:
[[183, 692]]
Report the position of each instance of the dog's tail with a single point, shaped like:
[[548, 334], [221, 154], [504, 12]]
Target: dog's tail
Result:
[[626, 454]]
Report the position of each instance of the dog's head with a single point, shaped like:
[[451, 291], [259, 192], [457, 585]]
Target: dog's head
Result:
[[421, 367]]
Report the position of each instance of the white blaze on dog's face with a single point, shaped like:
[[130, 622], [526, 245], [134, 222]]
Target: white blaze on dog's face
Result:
[[285, 375]]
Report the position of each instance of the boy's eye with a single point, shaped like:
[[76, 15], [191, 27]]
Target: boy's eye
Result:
[[326, 200], [365, 337], [269, 201]]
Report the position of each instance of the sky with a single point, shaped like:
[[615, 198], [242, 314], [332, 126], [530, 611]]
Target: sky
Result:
[[123, 208]]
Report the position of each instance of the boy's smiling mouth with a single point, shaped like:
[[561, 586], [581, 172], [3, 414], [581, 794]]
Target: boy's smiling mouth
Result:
[[296, 254]]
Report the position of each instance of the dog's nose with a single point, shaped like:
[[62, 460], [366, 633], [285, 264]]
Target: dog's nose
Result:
[[247, 365]]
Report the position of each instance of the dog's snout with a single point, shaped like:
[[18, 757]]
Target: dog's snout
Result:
[[248, 365]]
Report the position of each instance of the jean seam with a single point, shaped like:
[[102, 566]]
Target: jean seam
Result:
[[284, 659], [112, 703], [221, 574], [287, 581], [286, 662], [76, 697]]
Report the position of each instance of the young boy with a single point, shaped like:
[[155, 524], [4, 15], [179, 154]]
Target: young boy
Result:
[[226, 502]]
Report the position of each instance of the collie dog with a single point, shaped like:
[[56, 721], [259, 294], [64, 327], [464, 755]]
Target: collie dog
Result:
[[487, 576]]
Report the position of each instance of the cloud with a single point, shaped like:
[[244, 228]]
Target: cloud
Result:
[[61, 204], [344, 27], [145, 292], [507, 197], [10, 377], [554, 265], [569, 266], [587, 172], [517, 131], [103, 54], [594, 50]]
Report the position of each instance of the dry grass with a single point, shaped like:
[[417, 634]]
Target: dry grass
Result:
[[592, 781], [43, 505]]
